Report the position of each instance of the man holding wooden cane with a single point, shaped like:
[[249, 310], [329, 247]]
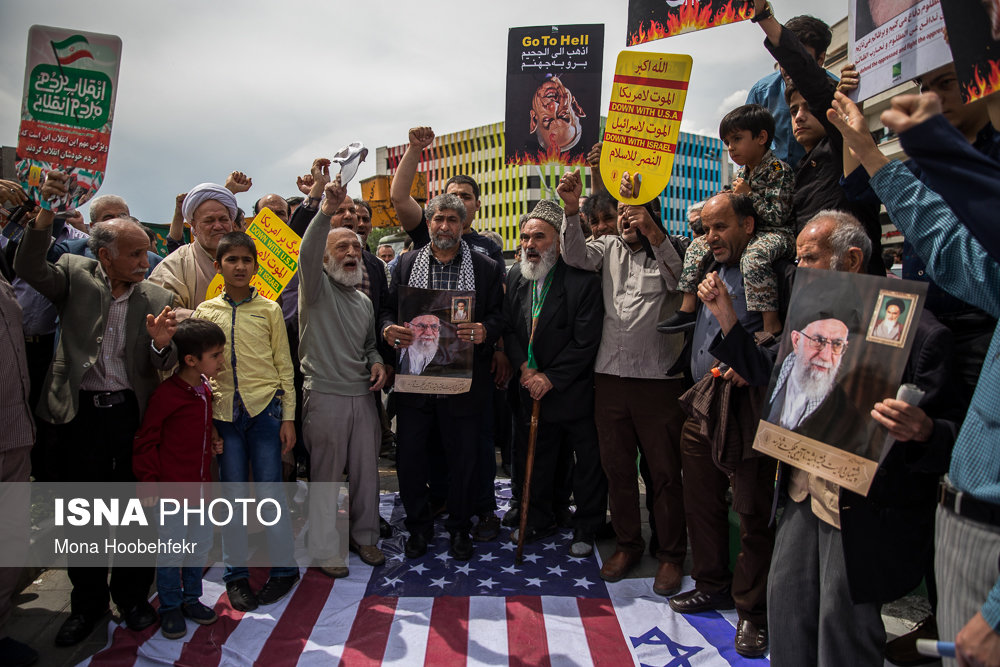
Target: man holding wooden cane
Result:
[[552, 314]]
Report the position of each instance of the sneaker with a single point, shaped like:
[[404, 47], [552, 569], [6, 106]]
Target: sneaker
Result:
[[679, 322], [533, 533], [199, 613], [172, 624], [582, 545], [276, 588]]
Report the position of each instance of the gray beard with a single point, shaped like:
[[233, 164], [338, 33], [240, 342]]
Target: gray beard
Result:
[[816, 386], [532, 271], [442, 243], [342, 276], [420, 354]]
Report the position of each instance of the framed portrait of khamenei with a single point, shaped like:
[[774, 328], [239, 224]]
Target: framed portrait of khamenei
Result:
[[436, 362], [846, 341]]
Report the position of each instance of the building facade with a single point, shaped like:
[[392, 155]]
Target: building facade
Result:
[[701, 168]]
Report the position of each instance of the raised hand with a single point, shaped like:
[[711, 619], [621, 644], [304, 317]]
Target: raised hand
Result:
[[849, 78], [569, 190], [334, 194], [162, 327], [421, 137], [238, 182], [12, 193], [910, 110]]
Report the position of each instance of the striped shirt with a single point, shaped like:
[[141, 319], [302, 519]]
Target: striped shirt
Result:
[[108, 372]]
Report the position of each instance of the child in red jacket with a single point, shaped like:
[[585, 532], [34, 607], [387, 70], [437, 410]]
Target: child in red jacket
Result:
[[175, 444]]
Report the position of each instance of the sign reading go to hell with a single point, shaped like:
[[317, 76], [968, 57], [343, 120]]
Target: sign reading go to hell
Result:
[[644, 121], [70, 84], [277, 256]]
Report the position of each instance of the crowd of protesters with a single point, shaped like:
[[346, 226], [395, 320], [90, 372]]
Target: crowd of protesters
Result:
[[607, 340]]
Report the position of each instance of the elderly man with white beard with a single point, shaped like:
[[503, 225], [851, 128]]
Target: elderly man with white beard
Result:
[[342, 367], [553, 315]]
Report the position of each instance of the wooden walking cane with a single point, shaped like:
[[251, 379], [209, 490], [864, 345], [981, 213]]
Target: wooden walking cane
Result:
[[526, 488]]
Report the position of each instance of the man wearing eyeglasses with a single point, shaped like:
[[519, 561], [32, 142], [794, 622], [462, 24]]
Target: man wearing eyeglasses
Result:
[[424, 356]]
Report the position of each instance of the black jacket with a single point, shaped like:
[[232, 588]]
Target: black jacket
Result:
[[566, 338]]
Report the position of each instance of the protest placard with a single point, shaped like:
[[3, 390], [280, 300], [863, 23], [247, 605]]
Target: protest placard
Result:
[[644, 121], [656, 19], [436, 362], [277, 256], [553, 93], [893, 42], [977, 53], [846, 343], [70, 84]]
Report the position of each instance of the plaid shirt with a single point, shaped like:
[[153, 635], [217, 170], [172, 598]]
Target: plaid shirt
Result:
[[957, 262], [108, 372], [444, 276]]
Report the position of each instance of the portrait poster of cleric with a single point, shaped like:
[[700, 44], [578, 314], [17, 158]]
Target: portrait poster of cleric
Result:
[[846, 341], [977, 53], [436, 362], [553, 112]]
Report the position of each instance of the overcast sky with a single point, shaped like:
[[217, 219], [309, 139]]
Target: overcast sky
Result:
[[264, 87]]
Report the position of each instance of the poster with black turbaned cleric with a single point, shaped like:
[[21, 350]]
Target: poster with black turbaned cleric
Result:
[[70, 84], [437, 361], [553, 93], [977, 51], [894, 41], [655, 19], [846, 342]]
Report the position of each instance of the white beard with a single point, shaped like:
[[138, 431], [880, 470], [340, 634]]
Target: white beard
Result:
[[538, 271], [420, 353], [816, 385], [342, 276]]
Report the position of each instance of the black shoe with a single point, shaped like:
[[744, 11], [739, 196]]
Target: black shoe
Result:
[[416, 545], [384, 529], [76, 628], [488, 528], [903, 649], [16, 654], [199, 613], [276, 588], [695, 601], [679, 322], [140, 617], [512, 518], [534, 533], [461, 545], [172, 624], [241, 598], [751, 641]]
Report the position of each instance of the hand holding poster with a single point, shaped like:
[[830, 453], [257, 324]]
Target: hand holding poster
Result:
[[644, 121], [436, 362], [70, 83], [894, 41], [977, 53], [277, 256], [846, 343], [656, 19], [553, 93]]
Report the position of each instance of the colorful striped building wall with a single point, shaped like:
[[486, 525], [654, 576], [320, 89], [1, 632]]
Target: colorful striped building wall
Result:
[[701, 168]]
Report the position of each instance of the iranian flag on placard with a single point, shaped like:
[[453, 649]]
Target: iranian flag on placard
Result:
[[72, 49]]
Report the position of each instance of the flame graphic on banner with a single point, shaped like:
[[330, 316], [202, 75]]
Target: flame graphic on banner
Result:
[[983, 84], [550, 156], [690, 17]]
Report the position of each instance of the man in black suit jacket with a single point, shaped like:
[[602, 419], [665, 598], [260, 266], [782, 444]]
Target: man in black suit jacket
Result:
[[558, 372], [885, 540], [446, 263]]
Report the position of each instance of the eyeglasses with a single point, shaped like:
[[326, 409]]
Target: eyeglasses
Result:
[[425, 327], [817, 343]]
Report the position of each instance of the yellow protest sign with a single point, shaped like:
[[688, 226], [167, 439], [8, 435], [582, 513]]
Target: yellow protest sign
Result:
[[277, 256], [644, 121]]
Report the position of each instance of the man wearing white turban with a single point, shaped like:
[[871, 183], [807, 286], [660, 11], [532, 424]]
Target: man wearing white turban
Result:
[[187, 272]]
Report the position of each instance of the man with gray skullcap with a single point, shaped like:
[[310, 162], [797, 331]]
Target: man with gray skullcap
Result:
[[187, 272], [552, 315]]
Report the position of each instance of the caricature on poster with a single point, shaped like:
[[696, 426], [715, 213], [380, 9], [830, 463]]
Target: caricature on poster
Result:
[[656, 19], [894, 41], [70, 84], [977, 53], [553, 110], [436, 362], [846, 343]]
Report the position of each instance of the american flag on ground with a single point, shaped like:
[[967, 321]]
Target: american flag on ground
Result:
[[553, 609]]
